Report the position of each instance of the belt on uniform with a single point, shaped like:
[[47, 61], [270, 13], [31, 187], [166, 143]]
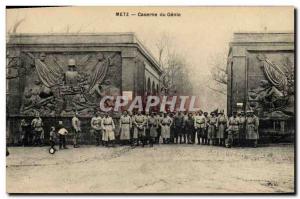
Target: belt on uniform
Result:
[[107, 124]]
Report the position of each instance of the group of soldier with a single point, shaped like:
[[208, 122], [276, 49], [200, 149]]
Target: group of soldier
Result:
[[139, 129]]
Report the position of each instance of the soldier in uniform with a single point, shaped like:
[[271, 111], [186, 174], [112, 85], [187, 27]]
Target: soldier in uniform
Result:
[[178, 126], [25, 133], [52, 138], [147, 129], [200, 124], [242, 126], [139, 135], [153, 125], [183, 133], [159, 118], [76, 128], [166, 124], [233, 131], [62, 132], [97, 128], [221, 125], [189, 128], [172, 129], [125, 126], [37, 125], [206, 128], [252, 124], [212, 126], [108, 127]]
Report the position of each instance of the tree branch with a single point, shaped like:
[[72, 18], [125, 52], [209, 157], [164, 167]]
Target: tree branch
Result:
[[218, 91]]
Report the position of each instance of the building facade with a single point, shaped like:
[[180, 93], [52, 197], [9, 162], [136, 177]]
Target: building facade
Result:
[[59, 74], [260, 71]]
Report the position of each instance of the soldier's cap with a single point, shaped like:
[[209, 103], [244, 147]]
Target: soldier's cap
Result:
[[212, 113], [71, 62]]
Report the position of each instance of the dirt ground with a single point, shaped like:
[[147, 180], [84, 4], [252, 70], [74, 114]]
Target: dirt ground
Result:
[[161, 169]]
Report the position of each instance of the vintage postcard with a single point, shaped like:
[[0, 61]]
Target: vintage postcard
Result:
[[150, 100]]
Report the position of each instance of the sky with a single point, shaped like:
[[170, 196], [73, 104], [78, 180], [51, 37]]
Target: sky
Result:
[[200, 34]]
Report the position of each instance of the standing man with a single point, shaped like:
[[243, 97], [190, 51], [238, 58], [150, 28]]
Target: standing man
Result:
[[189, 128], [96, 127], [252, 124], [200, 124], [242, 126], [206, 129], [166, 124], [108, 127], [159, 117], [125, 126], [62, 132], [178, 126], [139, 134], [153, 125], [25, 132], [76, 127], [212, 126], [221, 125], [233, 131], [37, 125], [184, 129], [147, 129]]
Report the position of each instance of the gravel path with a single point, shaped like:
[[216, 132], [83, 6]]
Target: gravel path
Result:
[[161, 169]]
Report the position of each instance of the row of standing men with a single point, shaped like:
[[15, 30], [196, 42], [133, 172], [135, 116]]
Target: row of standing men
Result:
[[240, 129]]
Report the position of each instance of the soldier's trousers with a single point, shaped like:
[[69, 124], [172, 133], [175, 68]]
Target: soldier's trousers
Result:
[[152, 140], [190, 133], [182, 138], [242, 136], [62, 141], [177, 133], [52, 143], [193, 138], [75, 137], [158, 135], [200, 135], [37, 137]]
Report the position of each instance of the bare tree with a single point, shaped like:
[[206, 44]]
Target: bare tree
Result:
[[218, 72], [175, 78]]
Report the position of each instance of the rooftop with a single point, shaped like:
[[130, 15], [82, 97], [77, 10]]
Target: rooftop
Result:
[[245, 37], [116, 39]]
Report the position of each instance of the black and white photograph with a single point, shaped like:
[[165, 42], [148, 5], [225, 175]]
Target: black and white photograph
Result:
[[150, 100]]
